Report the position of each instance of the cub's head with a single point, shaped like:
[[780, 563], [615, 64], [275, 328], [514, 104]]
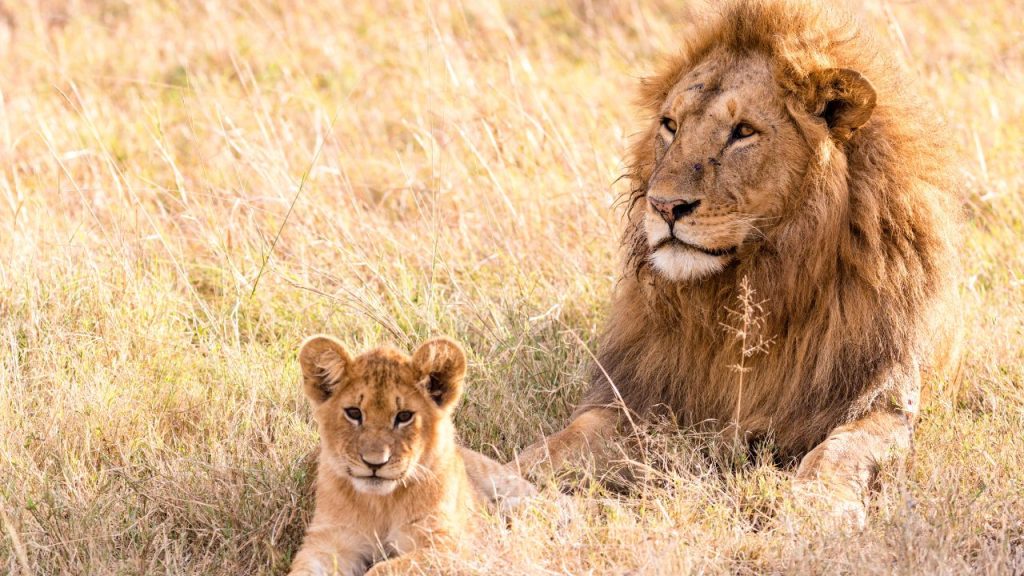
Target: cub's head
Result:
[[382, 415], [728, 150]]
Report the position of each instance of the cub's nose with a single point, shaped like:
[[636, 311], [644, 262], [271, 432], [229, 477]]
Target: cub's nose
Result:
[[672, 210], [376, 461]]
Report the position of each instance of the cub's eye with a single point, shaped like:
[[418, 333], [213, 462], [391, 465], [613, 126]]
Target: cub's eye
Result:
[[403, 417], [354, 414], [669, 124], [743, 130]]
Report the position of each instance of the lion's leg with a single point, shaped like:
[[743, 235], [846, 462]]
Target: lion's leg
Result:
[[412, 563], [315, 561], [496, 483], [586, 429], [412, 546], [840, 470]]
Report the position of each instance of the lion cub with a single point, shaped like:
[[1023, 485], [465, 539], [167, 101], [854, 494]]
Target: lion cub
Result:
[[391, 479]]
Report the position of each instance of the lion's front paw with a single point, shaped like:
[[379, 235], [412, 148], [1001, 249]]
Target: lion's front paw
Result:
[[840, 506], [534, 463], [526, 461]]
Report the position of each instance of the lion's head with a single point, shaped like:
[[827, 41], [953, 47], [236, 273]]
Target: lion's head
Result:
[[731, 148], [382, 415], [776, 125]]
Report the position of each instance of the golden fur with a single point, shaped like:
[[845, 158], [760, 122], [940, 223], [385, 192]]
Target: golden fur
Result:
[[391, 480], [838, 213]]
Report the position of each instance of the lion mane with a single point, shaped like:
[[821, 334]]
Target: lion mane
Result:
[[852, 281]]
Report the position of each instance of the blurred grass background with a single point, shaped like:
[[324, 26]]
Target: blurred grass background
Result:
[[187, 189]]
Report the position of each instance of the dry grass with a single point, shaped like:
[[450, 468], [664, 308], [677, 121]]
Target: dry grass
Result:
[[186, 190]]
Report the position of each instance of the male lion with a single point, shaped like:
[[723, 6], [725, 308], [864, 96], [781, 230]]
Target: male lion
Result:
[[782, 149], [391, 477]]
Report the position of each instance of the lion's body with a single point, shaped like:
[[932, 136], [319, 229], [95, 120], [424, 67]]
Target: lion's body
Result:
[[434, 486], [851, 256]]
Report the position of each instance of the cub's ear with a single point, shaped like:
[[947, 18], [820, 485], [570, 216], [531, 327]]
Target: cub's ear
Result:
[[442, 365], [842, 97], [324, 363]]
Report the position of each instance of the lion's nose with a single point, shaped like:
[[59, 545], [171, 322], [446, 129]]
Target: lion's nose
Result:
[[672, 210], [375, 461]]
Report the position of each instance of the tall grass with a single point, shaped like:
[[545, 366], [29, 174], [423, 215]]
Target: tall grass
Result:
[[188, 189]]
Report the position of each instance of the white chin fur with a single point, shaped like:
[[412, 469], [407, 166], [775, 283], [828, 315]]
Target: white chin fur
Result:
[[679, 263], [374, 487]]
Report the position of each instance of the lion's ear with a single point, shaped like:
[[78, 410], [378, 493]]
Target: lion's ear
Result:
[[324, 362], [442, 366], [842, 97]]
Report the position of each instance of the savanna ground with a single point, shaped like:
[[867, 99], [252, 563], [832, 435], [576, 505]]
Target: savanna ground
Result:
[[187, 190]]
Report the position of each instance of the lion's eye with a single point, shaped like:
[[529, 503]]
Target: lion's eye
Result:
[[668, 124], [743, 130], [403, 417], [354, 414]]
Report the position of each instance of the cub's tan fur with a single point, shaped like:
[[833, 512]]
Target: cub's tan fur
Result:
[[781, 148], [391, 479]]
